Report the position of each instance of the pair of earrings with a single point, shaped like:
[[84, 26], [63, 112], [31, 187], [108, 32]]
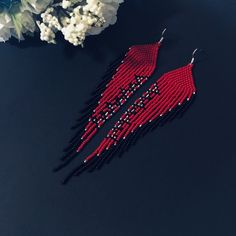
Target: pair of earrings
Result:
[[167, 98]]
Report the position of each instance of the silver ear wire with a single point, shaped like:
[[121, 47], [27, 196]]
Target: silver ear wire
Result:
[[162, 36], [193, 54]]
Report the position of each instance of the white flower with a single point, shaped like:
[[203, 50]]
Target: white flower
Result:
[[5, 27], [46, 33], [66, 4], [18, 20], [35, 6]]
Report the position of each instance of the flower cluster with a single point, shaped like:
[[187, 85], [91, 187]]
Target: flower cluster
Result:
[[17, 17], [75, 19]]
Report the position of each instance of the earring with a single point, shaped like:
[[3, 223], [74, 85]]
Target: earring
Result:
[[127, 76], [167, 98]]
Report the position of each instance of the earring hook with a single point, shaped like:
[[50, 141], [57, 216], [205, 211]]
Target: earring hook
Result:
[[162, 35], [193, 55]]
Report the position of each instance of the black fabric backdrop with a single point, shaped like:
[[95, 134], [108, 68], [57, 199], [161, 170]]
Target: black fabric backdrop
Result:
[[178, 180]]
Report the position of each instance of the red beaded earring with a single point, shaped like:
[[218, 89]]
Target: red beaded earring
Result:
[[124, 79], [167, 98]]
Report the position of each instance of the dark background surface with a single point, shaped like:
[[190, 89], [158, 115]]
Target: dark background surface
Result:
[[178, 180]]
